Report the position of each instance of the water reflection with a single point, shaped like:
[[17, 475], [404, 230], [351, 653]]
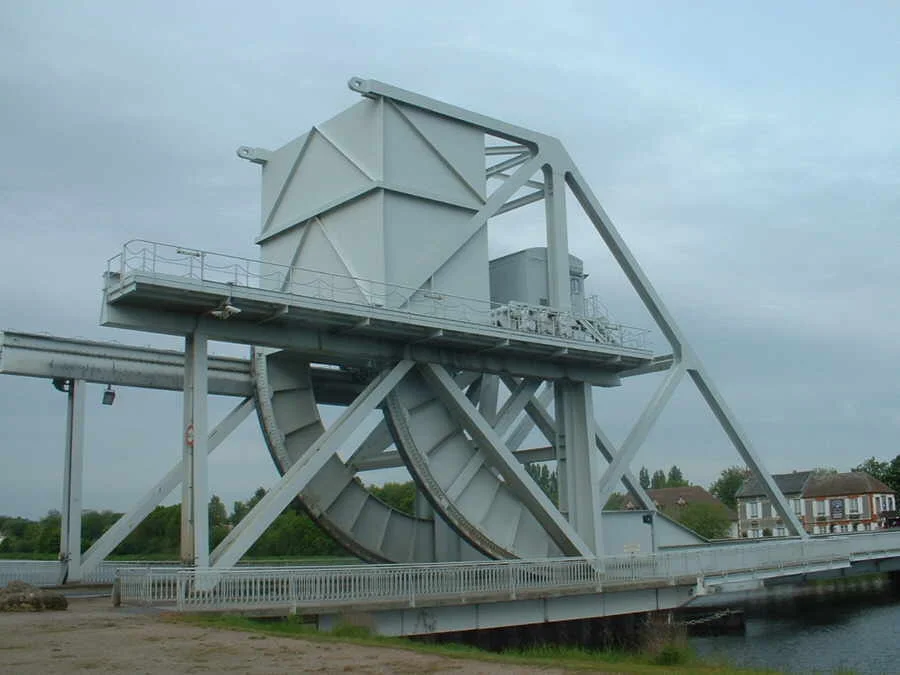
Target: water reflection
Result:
[[815, 629]]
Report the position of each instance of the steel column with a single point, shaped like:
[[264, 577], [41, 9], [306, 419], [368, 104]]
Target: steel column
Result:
[[70, 526], [194, 500], [560, 295], [577, 461]]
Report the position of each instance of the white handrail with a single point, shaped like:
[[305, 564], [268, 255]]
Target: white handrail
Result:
[[411, 584], [157, 259]]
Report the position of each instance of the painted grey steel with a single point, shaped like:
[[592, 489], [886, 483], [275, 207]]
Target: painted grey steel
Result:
[[49, 572], [558, 168], [578, 462], [53, 357], [70, 525], [375, 173], [407, 174], [322, 298], [194, 502], [480, 488], [387, 587], [522, 277], [289, 418], [303, 471]]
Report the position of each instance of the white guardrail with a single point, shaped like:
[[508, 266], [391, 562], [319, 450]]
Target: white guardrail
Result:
[[331, 587], [49, 572], [166, 260]]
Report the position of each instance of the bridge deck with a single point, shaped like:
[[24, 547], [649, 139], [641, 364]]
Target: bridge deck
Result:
[[147, 293], [568, 586]]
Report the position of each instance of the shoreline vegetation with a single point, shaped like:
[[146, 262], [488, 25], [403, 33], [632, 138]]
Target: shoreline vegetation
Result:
[[674, 656]]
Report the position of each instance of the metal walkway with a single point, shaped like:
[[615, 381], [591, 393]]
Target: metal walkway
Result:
[[459, 596]]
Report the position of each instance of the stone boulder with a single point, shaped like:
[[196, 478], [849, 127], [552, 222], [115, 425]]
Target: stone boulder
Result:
[[18, 596]]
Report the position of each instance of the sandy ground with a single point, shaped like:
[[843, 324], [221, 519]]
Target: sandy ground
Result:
[[93, 636]]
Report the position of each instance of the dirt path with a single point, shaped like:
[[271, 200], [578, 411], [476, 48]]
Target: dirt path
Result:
[[92, 636]]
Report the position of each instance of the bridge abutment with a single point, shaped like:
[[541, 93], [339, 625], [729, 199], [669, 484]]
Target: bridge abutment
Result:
[[638, 632]]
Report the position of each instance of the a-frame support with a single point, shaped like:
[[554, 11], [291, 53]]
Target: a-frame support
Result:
[[549, 156]]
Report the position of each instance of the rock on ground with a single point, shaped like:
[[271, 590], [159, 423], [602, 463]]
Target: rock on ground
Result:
[[18, 596]]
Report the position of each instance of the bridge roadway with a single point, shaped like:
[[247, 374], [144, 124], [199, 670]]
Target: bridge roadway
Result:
[[449, 597]]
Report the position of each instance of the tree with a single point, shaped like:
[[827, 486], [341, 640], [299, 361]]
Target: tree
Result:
[[676, 478], [875, 468], [402, 496], [728, 483], [616, 502], [659, 479], [893, 475], [545, 479], [159, 534], [644, 478], [241, 509], [887, 472], [218, 521], [48, 533], [708, 520]]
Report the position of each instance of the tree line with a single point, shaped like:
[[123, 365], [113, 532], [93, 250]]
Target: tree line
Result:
[[292, 534]]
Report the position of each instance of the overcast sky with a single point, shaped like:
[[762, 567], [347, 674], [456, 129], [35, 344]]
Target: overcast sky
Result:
[[749, 153]]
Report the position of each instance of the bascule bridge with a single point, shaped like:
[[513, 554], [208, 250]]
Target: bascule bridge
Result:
[[374, 291]]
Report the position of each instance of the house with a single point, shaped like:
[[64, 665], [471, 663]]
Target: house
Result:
[[756, 517], [670, 500], [847, 502], [824, 502]]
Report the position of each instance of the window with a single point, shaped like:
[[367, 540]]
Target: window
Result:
[[753, 509], [755, 534], [780, 532], [820, 509], [797, 506], [854, 505], [816, 529]]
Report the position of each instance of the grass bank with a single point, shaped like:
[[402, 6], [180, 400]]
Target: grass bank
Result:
[[673, 658]]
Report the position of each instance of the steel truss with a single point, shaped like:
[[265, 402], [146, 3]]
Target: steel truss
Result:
[[439, 394], [451, 439], [454, 448]]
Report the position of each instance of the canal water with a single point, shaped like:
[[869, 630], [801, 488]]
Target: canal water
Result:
[[815, 630]]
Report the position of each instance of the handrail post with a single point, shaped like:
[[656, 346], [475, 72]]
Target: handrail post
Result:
[[179, 591]]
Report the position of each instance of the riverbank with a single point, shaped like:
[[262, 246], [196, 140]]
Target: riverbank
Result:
[[93, 636]]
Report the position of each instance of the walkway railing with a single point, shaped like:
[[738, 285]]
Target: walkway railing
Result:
[[49, 572], [165, 260], [411, 585]]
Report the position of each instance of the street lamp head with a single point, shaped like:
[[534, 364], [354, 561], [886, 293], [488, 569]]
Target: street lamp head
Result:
[[109, 395]]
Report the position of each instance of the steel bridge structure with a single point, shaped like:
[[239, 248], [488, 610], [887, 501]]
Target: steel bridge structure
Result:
[[373, 293]]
